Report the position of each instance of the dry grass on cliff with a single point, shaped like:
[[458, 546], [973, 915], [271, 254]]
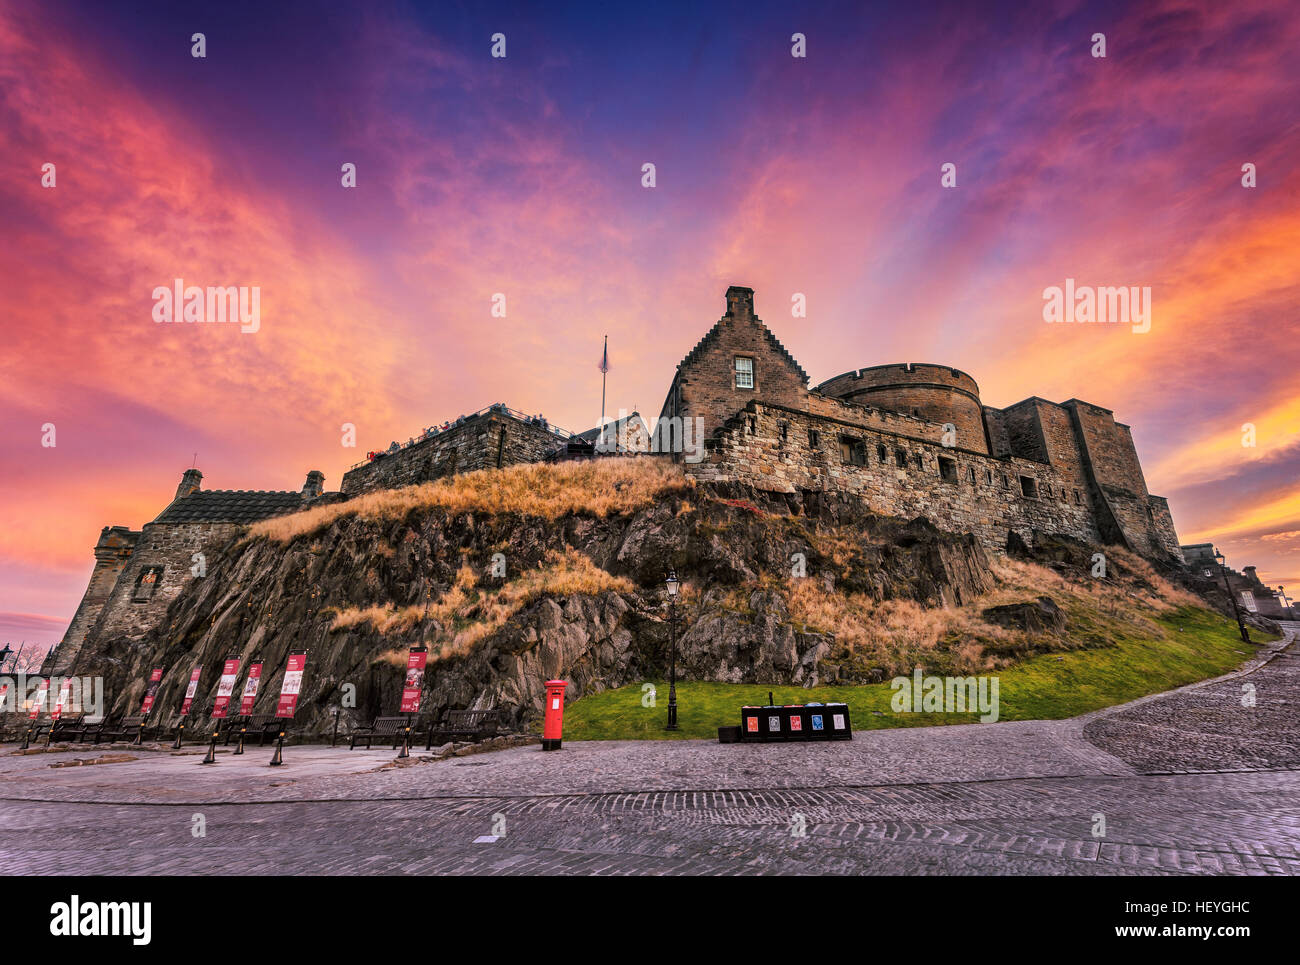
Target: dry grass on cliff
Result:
[[468, 612], [602, 487], [901, 634]]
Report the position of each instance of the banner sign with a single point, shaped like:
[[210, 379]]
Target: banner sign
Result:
[[151, 691], [1248, 598], [62, 699], [292, 685], [4, 698], [229, 671], [250, 689], [190, 691], [413, 688], [39, 703]]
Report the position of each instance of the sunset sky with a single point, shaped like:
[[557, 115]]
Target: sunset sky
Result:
[[522, 175]]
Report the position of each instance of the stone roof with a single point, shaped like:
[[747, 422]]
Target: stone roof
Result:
[[711, 336], [230, 506], [614, 425]]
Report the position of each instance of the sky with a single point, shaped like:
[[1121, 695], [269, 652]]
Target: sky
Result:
[[522, 176]]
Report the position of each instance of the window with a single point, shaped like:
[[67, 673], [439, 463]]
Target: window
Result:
[[989, 474], [1029, 487], [947, 469], [920, 463], [784, 430], [147, 583], [883, 454], [814, 438], [744, 373], [1076, 497], [900, 457], [1006, 483], [853, 451]]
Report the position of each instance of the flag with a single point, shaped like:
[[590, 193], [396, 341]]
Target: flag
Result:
[[604, 358]]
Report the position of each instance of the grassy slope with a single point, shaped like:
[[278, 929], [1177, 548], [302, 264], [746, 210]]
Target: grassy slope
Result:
[[1197, 644]]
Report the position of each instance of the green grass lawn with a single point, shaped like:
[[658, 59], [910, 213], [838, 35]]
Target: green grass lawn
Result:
[[1199, 644]]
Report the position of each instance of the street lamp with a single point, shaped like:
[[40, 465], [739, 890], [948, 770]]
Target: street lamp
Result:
[[1220, 559], [1286, 604], [673, 587]]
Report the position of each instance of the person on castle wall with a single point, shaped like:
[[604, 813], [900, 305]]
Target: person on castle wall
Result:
[[394, 447]]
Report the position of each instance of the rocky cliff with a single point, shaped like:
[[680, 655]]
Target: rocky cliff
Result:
[[515, 576]]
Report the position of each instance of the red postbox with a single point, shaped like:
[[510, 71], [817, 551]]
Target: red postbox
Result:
[[553, 726]]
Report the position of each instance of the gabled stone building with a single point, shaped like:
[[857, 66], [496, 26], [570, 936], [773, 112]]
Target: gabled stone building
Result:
[[913, 440]]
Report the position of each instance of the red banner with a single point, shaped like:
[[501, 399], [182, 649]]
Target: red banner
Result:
[[39, 703], [249, 696], [229, 671], [62, 699], [190, 691], [292, 685], [413, 688], [151, 691]]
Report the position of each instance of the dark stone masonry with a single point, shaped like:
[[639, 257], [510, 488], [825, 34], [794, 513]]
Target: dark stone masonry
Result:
[[909, 439]]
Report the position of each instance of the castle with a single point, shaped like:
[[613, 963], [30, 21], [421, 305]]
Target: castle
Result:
[[909, 439]]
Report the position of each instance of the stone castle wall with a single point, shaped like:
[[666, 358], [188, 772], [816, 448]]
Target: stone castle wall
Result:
[[112, 554], [488, 440], [781, 449]]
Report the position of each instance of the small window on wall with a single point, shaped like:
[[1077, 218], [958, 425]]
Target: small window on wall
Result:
[[1076, 497], [744, 373], [785, 431], [900, 457], [972, 475], [920, 462], [1029, 487], [814, 438], [853, 452], [883, 454], [147, 583], [947, 469], [989, 474]]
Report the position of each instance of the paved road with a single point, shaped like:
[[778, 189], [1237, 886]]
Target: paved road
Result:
[[1011, 798]]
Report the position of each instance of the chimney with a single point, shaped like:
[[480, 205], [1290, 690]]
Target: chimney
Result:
[[315, 484], [189, 483], [740, 302], [1249, 573]]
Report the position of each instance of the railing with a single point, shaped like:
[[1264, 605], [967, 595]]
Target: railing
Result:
[[499, 408]]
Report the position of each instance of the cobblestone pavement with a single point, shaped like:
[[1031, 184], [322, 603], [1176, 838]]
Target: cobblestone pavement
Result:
[[1019, 798]]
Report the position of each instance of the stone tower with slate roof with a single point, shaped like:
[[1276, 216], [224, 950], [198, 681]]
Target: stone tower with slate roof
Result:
[[138, 574]]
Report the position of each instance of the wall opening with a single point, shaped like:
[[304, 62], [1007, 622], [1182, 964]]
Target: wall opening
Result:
[[853, 451], [1029, 487], [947, 469]]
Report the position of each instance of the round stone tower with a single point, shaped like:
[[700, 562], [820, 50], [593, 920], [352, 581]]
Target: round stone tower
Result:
[[935, 393]]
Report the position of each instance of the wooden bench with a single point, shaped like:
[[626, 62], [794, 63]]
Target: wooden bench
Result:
[[384, 727], [38, 729], [263, 725], [127, 729], [465, 725], [71, 728]]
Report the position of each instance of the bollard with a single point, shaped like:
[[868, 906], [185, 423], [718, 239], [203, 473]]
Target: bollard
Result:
[[240, 748], [180, 730], [553, 727], [406, 739], [278, 757], [211, 757]]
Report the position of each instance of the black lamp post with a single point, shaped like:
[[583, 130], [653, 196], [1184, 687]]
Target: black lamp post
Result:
[[673, 586], [5, 654], [1286, 604], [1221, 559]]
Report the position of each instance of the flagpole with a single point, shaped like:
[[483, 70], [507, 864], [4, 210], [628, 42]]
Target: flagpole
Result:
[[604, 374]]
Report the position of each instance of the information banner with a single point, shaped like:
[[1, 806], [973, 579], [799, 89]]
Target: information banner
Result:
[[39, 703], [249, 696], [413, 688], [190, 691], [229, 673], [292, 685], [151, 691], [62, 700]]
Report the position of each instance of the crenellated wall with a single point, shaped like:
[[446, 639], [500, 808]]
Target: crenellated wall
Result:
[[488, 440]]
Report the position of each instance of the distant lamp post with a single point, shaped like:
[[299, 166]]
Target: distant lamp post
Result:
[[1286, 604], [1221, 559], [673, 586], [8, 651]]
